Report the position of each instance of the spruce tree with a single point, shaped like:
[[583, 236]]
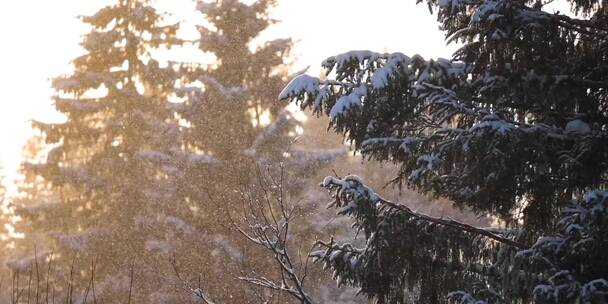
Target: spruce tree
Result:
[[5, 228], [514, 126], [34, 194], [140, 187], [233, 116], [112, 161]]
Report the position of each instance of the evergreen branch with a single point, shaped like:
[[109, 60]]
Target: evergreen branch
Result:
[[448, 222], [344, 184]]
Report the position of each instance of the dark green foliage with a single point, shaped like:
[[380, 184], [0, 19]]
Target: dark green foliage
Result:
[[499, 126], [572, 262], [412, 257], [513, 126]]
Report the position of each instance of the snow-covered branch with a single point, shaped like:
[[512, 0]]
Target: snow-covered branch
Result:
[[266, 221], [352, 188]]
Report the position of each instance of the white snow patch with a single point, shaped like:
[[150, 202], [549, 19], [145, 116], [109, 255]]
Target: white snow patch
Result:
[[577, 127], [159, 246], [299, 85], [346, 102], [179, 224], [25, 263], [225, 246], [78, 241]]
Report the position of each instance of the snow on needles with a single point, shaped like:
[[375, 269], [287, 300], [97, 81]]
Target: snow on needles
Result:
[[349, 101], [395, 63], [577, 127], [78, 241], [299, 85], [24, 264]]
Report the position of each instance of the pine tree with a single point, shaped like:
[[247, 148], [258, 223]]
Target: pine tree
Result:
[[513, 126], [112, 160], [5, 233], [134, 180], [234, 117], [34, 194], [5, 214]]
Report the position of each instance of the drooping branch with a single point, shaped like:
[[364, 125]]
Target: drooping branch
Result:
[[448, 222], [353, 183]]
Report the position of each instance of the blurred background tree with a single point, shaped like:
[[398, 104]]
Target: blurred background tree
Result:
[[233, 115], [101, 164]]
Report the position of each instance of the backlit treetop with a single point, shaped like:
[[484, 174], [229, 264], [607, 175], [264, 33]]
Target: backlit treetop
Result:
[[112, 160]]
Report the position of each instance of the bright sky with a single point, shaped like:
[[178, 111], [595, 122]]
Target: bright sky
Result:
[[40, 37]]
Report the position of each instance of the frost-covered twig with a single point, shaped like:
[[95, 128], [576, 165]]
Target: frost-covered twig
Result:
[[196, 291], [267, 218]]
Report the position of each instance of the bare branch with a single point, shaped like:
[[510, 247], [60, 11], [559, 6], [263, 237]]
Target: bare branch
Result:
[[267, 220]]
